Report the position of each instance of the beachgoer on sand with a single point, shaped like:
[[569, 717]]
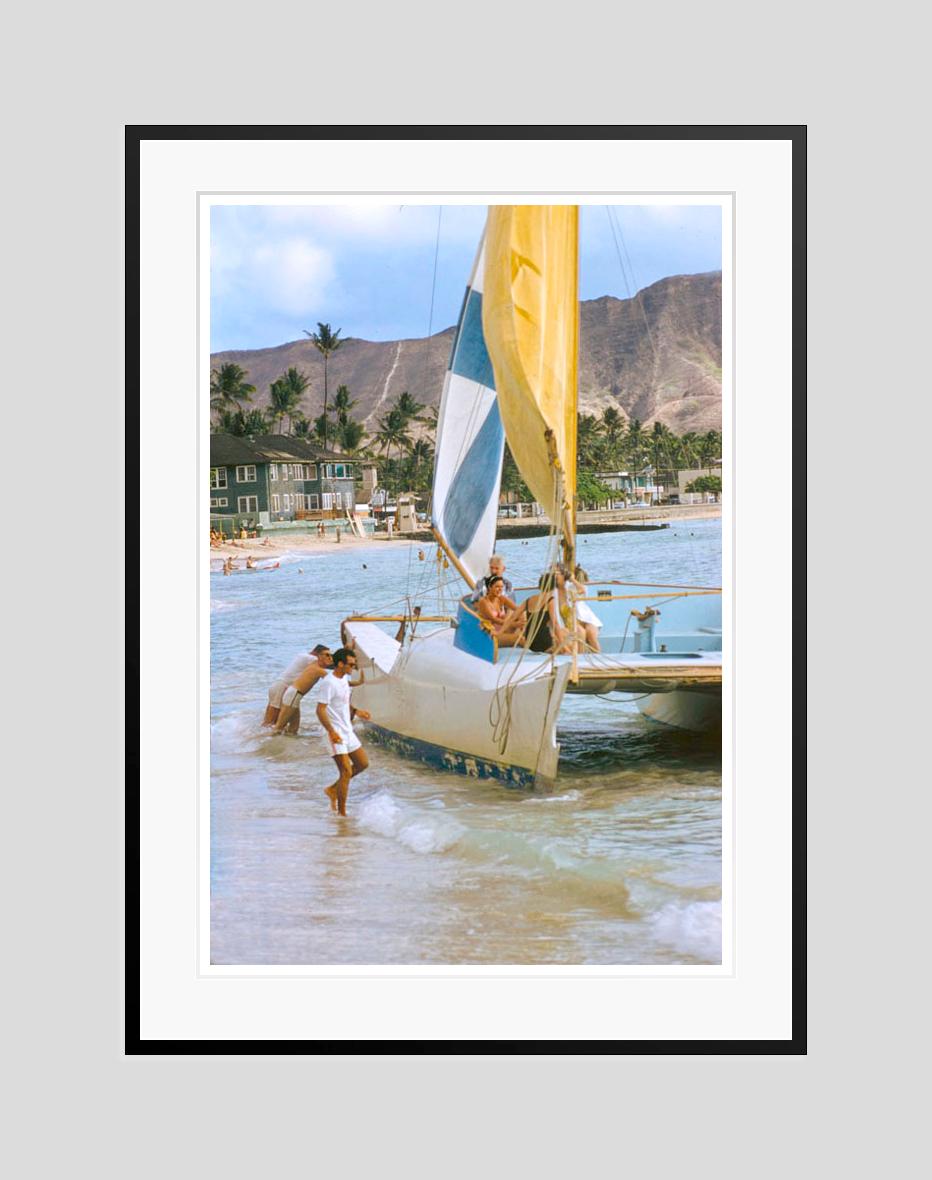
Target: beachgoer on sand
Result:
[[335, 713]]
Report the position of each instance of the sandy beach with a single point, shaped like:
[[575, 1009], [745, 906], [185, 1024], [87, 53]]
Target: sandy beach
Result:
[[267, 547]]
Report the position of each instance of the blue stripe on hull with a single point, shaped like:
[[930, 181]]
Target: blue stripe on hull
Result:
[[452, 760]]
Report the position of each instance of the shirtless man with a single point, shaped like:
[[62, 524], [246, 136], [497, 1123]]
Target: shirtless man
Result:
[[278, 687], [335, 713], [289, 716]]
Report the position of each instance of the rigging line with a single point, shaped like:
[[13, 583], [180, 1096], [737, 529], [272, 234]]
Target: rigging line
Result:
[[636, 295], [433, 285], [624, 274]]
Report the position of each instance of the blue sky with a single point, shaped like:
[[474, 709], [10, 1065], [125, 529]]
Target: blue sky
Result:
[[368, 269]]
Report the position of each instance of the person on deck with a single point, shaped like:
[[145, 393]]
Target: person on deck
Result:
[[319, 657], [494, 609], [586, 617], [496, 570], [335, 713], [539, 617]]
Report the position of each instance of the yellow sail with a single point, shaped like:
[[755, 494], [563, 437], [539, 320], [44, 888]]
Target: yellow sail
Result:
[[530, 318]]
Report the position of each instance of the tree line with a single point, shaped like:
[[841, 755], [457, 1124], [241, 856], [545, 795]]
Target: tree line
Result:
[[406, 436]]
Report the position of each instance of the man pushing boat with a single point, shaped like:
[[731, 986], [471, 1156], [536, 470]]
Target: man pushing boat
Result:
[[335, 713], [296, 680]]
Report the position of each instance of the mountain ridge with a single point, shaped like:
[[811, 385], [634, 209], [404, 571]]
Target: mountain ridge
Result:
[[656, 356]]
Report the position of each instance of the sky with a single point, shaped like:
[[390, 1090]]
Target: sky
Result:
[[368, 270]]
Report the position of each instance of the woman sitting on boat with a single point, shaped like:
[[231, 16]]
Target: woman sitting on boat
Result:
[[496, 612], [587, 621], [539, 617]]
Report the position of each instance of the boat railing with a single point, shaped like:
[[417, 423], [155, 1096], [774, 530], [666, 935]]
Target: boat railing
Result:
[[662, 588]]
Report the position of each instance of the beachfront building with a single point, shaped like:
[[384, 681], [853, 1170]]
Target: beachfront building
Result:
[[630, 487], [273, 479], [685, 478]]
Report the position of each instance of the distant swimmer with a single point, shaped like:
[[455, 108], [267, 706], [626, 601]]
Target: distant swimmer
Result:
[[364, 566], [420, 554], [289, 718], [250, 563], [335, 713], [277, 688]]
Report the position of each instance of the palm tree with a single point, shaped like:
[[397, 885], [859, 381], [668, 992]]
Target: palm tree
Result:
[[350, 435], [662, 445], [393, 432], [280, 401], [432, 418], [229, 388], [320, 425], [588, 436], [242, 425], [689, 448], [326, 342], [410, 408], [342, 404], [255, 422], [612, 426], [710, 448], [421, 452], [296, 383]]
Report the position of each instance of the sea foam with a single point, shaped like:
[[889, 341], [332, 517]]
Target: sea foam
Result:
[[380, 813], [693, 928]]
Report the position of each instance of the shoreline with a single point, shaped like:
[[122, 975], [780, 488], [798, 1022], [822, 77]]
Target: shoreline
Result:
[[311, 543], [300, 542]]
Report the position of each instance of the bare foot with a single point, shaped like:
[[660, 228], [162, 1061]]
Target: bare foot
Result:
[[331, 793]]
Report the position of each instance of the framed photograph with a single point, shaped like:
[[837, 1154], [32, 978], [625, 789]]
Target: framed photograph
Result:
[[458, 691]]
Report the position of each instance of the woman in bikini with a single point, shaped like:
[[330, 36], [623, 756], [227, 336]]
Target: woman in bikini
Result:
[[496, 610]]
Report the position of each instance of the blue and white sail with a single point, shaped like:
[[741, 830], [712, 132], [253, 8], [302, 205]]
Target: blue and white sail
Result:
[[470, 443]]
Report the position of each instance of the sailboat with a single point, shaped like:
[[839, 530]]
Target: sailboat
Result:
[[440, 689]]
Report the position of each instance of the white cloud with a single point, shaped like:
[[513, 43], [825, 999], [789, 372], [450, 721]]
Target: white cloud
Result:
[[291, 275]]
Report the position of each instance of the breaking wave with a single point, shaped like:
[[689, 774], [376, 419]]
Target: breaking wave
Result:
[[693, 928], [421, 833]]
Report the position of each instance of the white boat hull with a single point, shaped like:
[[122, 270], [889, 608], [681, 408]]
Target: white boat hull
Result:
[[700, 712], [434, 703]]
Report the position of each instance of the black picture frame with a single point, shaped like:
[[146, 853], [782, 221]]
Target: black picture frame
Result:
[[135, 136]]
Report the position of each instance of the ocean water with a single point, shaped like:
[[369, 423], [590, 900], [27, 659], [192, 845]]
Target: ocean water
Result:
[[618, 863]]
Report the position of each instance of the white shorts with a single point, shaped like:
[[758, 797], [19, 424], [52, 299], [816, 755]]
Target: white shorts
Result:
[[275, 693], [291, 698], [347, 746]]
